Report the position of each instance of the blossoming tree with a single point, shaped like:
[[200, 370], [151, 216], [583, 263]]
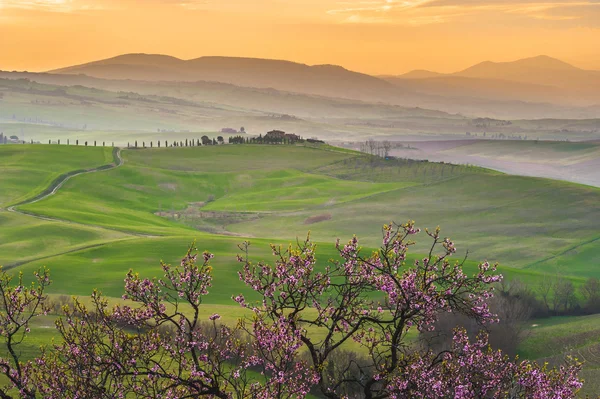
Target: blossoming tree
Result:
[[297, 339]]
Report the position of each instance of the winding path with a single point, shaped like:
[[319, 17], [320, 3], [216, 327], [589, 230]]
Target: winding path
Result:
[[53, 189], [60, 181]]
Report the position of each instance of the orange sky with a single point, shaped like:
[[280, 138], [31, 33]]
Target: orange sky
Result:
[[373, 36]]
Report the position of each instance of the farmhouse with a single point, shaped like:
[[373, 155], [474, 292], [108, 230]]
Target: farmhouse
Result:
[[275, 134], [281, 135]]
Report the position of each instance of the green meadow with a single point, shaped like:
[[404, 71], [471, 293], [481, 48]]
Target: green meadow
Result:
[[28, 170], [100, 224], [161, 199]]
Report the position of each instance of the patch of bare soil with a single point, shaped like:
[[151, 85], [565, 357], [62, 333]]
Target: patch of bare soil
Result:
[[318, 218], [137, 187], [208, 221], [168, 186]]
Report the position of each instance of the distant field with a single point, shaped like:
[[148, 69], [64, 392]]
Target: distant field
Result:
[[44, 107], [578, 162]]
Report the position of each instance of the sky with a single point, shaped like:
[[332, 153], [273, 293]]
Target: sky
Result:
[[371, 36]]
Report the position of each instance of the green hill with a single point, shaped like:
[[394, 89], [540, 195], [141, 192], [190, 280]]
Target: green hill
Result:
[[101, 223], [279, 193]]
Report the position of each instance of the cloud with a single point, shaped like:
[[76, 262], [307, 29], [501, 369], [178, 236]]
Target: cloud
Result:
[[422, 12], [49, 5], [383, 11], [382, 6], [66, 6], [53, 6]]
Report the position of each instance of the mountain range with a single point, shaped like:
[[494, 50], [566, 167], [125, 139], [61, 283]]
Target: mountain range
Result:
[[531, 87], [539, 78], [326, 80]]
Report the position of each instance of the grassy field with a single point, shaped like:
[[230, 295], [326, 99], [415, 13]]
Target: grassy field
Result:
[[28, 170], [518, 221], [147, 210], [551, 340]]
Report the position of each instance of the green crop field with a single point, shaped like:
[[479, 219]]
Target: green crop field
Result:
[[101, 223]]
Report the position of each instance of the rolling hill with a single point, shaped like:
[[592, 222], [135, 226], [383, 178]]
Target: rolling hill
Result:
[[99, 225], [327, 80]]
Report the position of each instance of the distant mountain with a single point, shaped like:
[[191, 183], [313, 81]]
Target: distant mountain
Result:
[[327, 80], [451, 85], [420, 74], [539, 87], [542, 70], [537, 79]]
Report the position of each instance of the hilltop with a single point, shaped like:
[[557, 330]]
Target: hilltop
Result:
[[327, 80]]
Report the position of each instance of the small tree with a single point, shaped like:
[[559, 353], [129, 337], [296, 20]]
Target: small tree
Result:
[[20, 304], [591, 292], [564, 295]]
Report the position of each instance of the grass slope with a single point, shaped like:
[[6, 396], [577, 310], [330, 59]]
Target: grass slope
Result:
[[532, 225], [517, 220], [28, 169], [24, 239]]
